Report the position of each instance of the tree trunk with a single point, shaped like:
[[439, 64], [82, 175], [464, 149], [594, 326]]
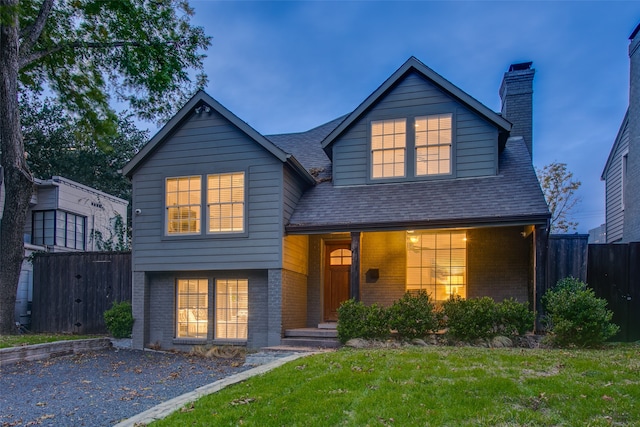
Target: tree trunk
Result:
[[17, 179]]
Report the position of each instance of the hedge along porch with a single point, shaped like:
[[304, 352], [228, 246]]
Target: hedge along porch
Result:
[[498, 262]]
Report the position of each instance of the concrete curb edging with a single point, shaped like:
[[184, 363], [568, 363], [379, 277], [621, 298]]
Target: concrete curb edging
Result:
[[35, 352], [165, 409]]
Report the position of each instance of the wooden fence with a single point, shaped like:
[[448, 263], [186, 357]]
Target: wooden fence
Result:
[[566, 256], [613, 272], [71, 291]]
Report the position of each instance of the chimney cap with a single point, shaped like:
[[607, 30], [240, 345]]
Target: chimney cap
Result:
[[633, 35], [521, 66]]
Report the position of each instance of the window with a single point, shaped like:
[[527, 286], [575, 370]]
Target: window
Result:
[[340, 257], [193, 308], [59, 228], [436, 263], [388, 143], [232, 308], [433, 144], [183, 203], [225, 202]]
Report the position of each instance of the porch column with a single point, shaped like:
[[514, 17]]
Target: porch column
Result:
[[540, 285], [354, 291]]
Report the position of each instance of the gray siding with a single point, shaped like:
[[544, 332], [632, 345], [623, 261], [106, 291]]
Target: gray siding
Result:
[[475, 142], [613, 186], [202, 145], [292, 191]]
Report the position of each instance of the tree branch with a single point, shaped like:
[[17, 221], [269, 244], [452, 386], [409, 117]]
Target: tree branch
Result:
[[35, 56], [32, 33]]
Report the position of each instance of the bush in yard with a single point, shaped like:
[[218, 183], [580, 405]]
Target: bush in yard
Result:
[[470, 319], [356, 320], [413, 315], [119, 319], [575, 316], [514, 318]]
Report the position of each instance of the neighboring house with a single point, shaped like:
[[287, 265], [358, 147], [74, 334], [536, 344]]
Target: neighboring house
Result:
[[64, 216], [239, 237], [622, 170]]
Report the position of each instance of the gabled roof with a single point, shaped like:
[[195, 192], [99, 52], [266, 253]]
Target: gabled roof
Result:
[[413, 64], [513, 197], [201, 99], [616, 142]]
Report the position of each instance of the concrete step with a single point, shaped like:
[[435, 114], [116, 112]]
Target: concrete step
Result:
[[310, 342], [311, 333]]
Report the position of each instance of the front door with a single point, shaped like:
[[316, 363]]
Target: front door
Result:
[[337, 273]]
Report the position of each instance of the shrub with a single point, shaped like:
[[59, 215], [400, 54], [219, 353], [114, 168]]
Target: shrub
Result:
[[119, 319], [575, 316], [471, 319], [413, 315], [514, 318], [356, 320]]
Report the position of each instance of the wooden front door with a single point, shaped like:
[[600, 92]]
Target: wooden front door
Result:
[[337, 273]]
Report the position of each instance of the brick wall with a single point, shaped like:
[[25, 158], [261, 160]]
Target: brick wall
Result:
[[631, 232], [387, 253], [516, 93], [161, 311], [498, 264], [294, 300]]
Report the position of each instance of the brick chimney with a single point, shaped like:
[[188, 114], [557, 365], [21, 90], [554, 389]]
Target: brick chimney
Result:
[[516, 93], [631, 188]]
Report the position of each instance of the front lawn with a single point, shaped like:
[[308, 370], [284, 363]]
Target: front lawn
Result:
[[434, 386], [7, 341]]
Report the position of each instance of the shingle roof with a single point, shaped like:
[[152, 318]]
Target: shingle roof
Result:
[[512, 197], [306, 147]]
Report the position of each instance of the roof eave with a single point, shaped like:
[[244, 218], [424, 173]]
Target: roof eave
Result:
[[518, 220]]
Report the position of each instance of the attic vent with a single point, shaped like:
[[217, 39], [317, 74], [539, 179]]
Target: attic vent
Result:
[[521, 66]]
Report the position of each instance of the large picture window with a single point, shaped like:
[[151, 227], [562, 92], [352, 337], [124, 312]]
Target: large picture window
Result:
[[436, 263], [232, 308], [59, 228], [193, 308], [388, 148], [225, 202], [433, 144], [183, 203]]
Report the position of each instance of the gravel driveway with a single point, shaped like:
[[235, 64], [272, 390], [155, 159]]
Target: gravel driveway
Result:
[[101, 388]]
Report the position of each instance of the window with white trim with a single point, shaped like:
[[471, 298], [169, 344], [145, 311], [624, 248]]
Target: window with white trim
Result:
[[183, 204], [192, 308], [433, 144], [437, 263], [388, 148], [225, 202], [232, 308]]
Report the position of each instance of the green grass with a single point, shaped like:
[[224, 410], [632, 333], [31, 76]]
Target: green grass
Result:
[[435, 386], [7, 341]]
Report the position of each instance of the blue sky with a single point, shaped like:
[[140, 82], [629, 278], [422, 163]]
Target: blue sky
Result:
[[290, 66]]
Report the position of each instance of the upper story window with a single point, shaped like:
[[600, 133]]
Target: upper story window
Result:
[[183, 204], [433, 144], [225, 202], [388, 148], [59, 228]]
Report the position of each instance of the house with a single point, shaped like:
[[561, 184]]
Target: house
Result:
[[240, 237], [64, 216], [622, 170]]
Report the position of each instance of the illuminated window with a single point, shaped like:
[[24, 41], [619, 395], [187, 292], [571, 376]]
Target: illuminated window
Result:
[[232, 308], [340, 257], [436, 263], [193, 308], [388, 144], [183, 205], [433, 144], [225, 202]]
